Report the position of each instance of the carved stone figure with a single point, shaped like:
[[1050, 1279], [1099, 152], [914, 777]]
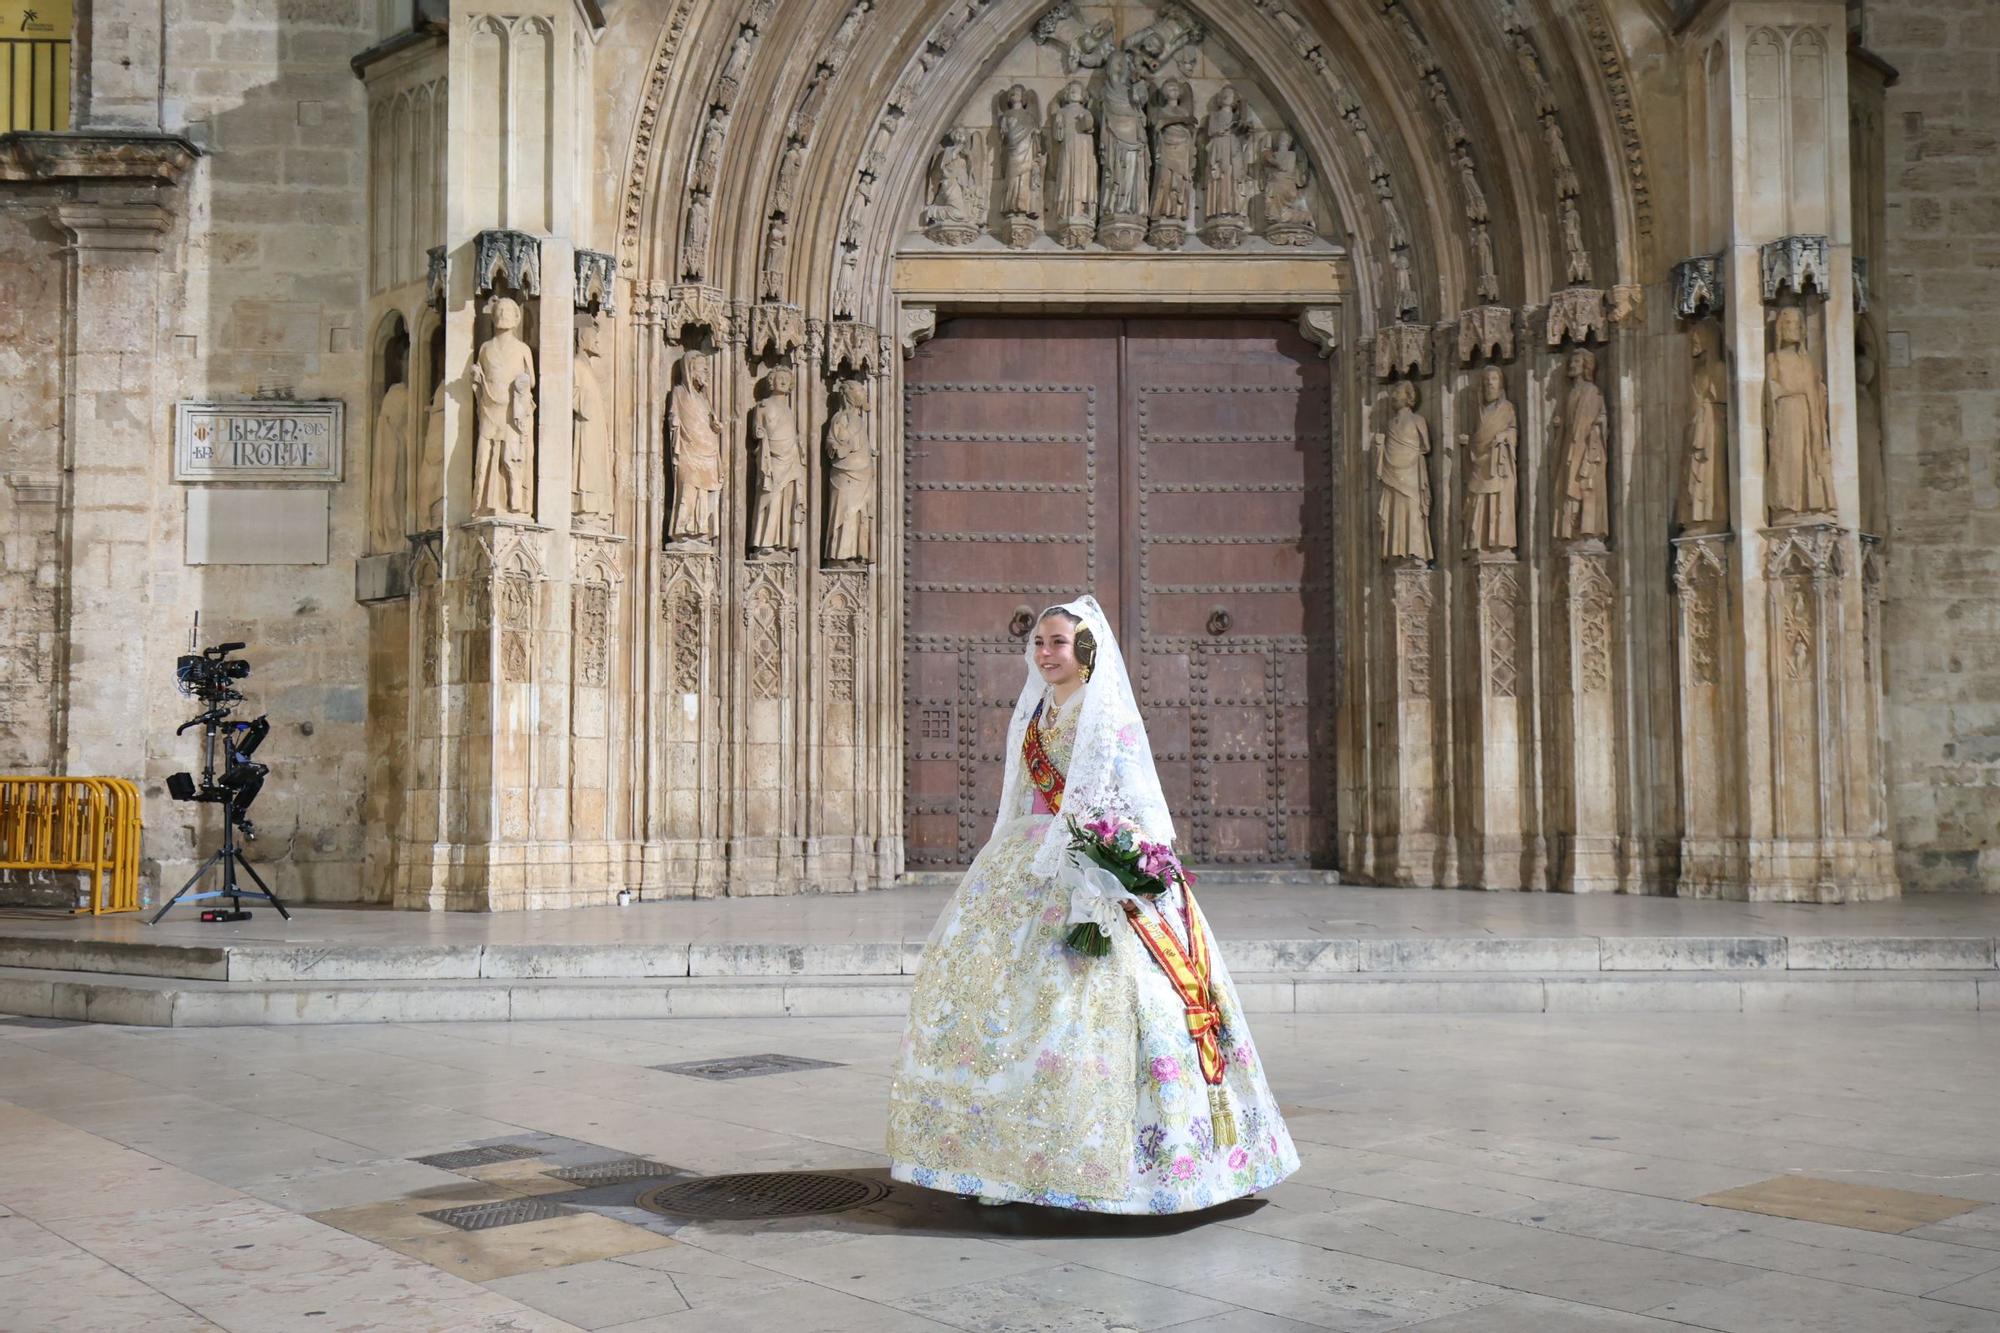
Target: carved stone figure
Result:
[[1704, 505], [1468, 184], [430, 466], [850, 462], [1576, 252], [1405, 283], [781, 466], [1582, 508], [593, 463], [1020, 129], [847, 284], [1173, 122], [1175, 32], [1799, 454], [956, 209], [1224, 178], [1402, 466], [731, 78], [1122, 194], [697, 453], [1490, 466], [1288, 215], [503, 384], [388, 462], [1073, 129], [694, 239], [709, 158], [1868, 428], [771, 278], [784, 193]]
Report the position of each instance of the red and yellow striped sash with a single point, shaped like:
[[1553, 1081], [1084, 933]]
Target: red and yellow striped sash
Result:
[[1189, 971]]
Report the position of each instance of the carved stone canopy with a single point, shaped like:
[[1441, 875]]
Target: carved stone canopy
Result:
[[514, 255], [1698, 286], [1403, 349], [777, 330], [852, 348], [693, 307], [596, 281], [1794, 263], [1578, 314], [1486, 331]]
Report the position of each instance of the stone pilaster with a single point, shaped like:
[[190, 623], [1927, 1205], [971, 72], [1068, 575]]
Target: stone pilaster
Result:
[[1500, 799], [1406, 815], [1706, 631], [1586, 817]]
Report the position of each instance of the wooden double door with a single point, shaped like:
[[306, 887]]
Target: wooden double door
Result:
[[1182, 470]]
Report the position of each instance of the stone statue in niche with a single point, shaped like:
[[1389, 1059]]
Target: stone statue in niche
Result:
[[1173, 124], [697, 452], [1019, 126], [1583, 510], [694, 238], [1288, 214], [388, 461], [784, 193], [1799, 454], [847, 284], [1868, 428], [1402, 465], [1122, 193], [771, 278], [593, 464], [850, 462], [709, 157], [1578, 254], [957, 207], [503, 385], [731, 79], [1073, 130], [430, 466], [781, 466], [1704, 505], [1225, 174], [1491, 455]]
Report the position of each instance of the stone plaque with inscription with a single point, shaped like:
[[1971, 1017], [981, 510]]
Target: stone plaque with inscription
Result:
[[258, 441]]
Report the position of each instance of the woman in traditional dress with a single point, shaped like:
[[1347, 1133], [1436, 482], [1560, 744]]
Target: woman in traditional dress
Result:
[[1031, 1072]]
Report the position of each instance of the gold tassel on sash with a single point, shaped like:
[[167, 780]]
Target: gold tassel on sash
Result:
[[1189, 972], [1221, 1116]]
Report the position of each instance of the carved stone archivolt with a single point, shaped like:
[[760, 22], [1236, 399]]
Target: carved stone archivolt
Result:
[[1458, 144], [1576, 258]]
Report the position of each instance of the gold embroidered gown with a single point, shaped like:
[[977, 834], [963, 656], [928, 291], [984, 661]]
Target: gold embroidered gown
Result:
[[1035, 1073]]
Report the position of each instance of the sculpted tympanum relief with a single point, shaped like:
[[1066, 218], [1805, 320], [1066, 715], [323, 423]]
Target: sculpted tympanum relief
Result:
[[1583, 510], [781, 466], [593, 465], [850, 463], [697, 452], [1704, 503], [1402, 465], [1799, 462], [1132, 151], [503, 386], [1491, 468]]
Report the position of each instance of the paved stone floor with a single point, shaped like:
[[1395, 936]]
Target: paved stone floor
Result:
[[1480, 1174]]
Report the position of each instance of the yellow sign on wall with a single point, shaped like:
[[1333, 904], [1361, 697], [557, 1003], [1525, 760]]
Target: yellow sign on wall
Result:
[[34, 64]]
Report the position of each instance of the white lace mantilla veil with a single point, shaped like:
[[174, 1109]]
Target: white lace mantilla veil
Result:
[[1111, 764]]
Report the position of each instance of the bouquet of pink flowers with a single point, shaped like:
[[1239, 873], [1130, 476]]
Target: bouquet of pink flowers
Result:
[[1116, 847]]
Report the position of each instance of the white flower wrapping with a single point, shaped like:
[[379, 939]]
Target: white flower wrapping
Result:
[[1094, 896]]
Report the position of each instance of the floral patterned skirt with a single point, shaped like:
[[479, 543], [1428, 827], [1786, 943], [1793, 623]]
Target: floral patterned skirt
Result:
[[1034, 1073]]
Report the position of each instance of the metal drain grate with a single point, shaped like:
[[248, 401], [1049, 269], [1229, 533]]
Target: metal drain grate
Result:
[[745, 1066], [464, 1157], [505, 1213], [592, 1174], [762, 1194]]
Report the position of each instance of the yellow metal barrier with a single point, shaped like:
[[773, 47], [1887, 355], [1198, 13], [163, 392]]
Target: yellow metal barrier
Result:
[[86, 825]]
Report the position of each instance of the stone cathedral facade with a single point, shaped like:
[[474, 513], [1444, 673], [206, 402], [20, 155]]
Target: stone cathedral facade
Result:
[[1473, 414]]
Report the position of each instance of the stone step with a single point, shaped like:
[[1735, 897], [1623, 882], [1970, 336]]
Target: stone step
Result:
[[328, 960], [181, 1002]]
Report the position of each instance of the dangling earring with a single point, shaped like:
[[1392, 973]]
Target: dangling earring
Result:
[[1084, 669]]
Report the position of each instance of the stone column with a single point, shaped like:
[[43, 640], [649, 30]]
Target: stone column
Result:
[[1775, 202], [114, 419]]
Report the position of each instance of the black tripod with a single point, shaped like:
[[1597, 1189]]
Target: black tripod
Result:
[[241, 780]]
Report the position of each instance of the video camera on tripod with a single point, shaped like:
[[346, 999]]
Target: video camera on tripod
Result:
[[210, 675]]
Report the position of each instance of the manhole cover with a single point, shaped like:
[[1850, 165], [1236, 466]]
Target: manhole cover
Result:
[[744, 1066], [464, 1157], [592, 1174], [762, 1194], [505, 1213]]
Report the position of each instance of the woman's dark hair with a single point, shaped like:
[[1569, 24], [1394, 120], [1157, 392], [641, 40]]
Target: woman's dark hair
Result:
[[1086, 642]]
